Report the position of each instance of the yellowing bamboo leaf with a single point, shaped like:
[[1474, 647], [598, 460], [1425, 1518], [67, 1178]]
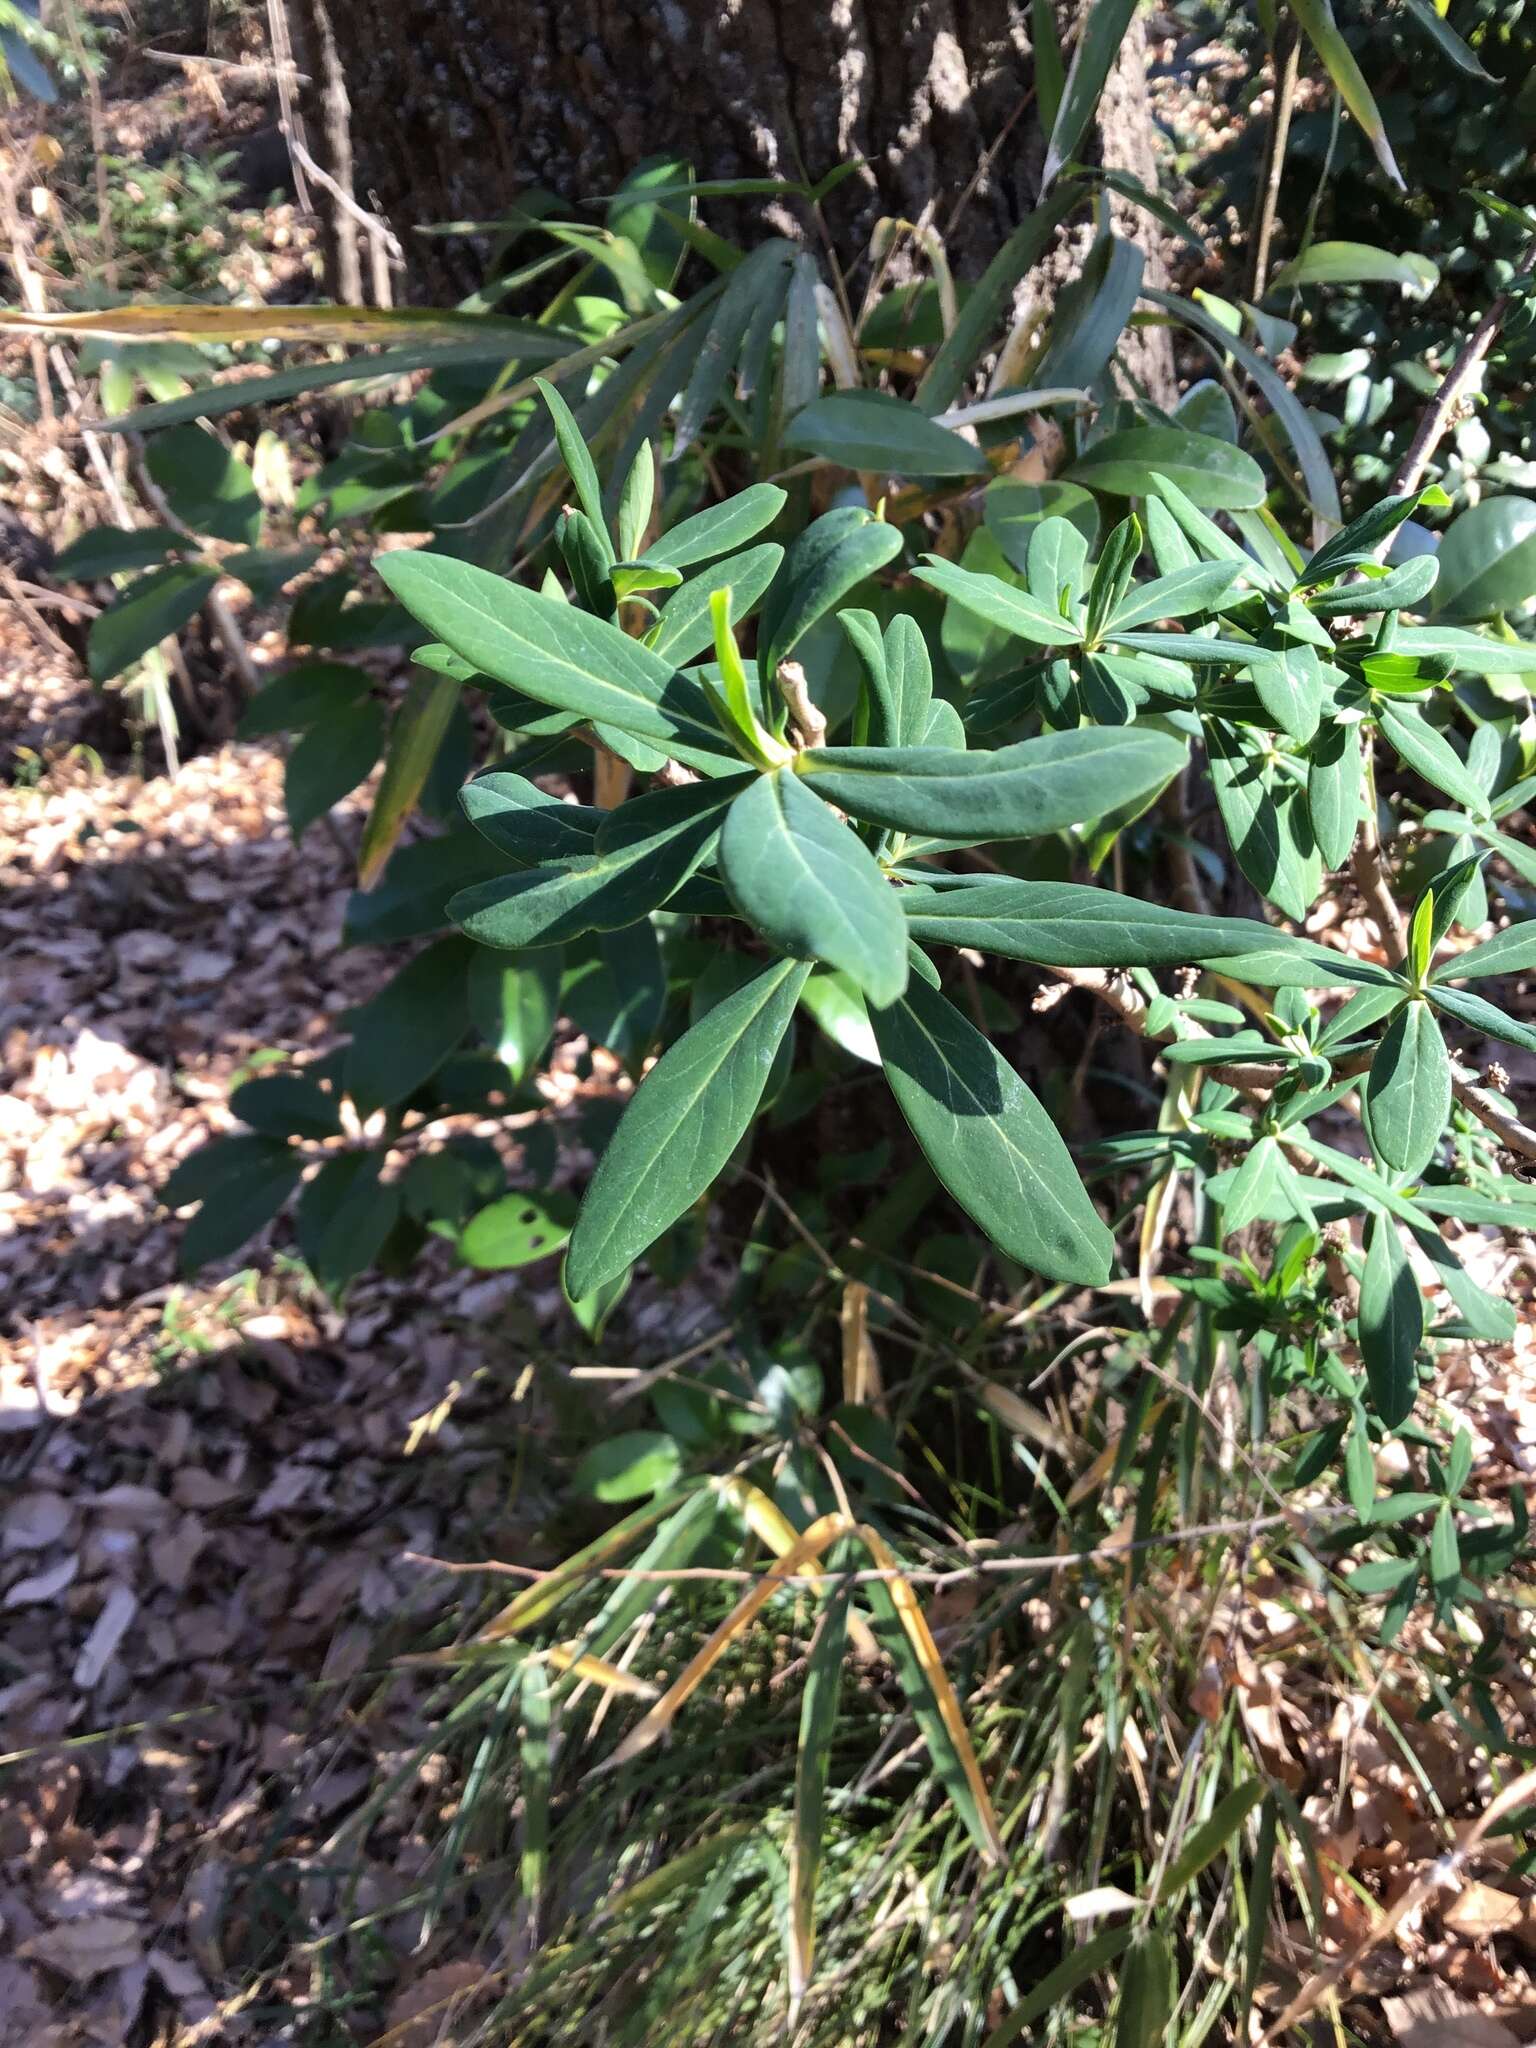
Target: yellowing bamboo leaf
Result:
[[546, 1594], [772, 1526], [862, 1384], [656, 1723], [944, 1727], [267, 323], [1023, 1418], [571, 1657]]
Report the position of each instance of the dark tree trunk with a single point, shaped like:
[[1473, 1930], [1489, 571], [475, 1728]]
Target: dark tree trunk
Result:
[[459, 106]]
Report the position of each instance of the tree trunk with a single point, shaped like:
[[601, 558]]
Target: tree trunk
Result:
[[458, 107]]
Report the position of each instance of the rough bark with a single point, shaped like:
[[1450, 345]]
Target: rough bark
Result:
[[460, 105]]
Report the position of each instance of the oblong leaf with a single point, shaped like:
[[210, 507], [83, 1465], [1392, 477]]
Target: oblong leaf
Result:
[[810, 885], [1211, 472], [1391, 1323], [1066, 924], [1038, 786], [556, 654], [988, 1139], [1408, 1091], [872, 430], [682, 1126]]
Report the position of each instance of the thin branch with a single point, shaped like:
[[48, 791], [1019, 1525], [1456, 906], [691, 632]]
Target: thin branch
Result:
[[1441, 408], [1287, 63]]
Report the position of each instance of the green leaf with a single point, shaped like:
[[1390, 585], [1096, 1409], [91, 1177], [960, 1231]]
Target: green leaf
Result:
[[988, 598], [1356, 263], [1472, 1010], [686, 1119], [955, 360], [1311, 456], [813, 1756], [206, 484], [1050, 72], [302, 694], [629, 1466], [835, 552], [1444, 1552], [615, 989], [1057, 1985], [636, 501], [1265, 820], [515, 1005], [147, 612], [1199, 588], [1408, 1094], [286, 1106], [1391, 1323], [1446, 40], [1290, 687], [578, 460], [1065, 924], [839, 1011], [1103, 31], [1019, 792], [1335, 771], [1203, 1844], [1430, 753], [242, 1204], [345, 1216], [107, 550], [526, 823], [1356, 544], [218, 1168], [1210, 472], [719, 530], [415, 736], [1146, 1994], [1478, 654], [1507, 952], [333, 757], [1322, 31], [988, 1139], [1488, 560], [556, 654], [810, 885], [411, 897], [899, 673], [1012, 511], [872, 430], [516, 1231], [402, 1036], [645, 851], [683, 630]]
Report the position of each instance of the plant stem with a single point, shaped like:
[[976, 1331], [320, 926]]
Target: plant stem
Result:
[[1287, 62], [1437, 414]]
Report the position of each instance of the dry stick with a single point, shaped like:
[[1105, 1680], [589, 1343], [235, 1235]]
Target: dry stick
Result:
[[291, 120], [338, 135], [1287, 60], [1437, 415], [258, 70], [98, 147], [1444, 1872]]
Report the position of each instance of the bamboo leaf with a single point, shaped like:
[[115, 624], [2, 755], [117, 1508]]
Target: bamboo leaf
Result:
[[902, 1626], [1098, 46], [1322, 32], [661, 1716], [818, 1720]]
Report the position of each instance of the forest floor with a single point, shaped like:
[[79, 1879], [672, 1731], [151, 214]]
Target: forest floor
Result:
[[220, 1499]]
